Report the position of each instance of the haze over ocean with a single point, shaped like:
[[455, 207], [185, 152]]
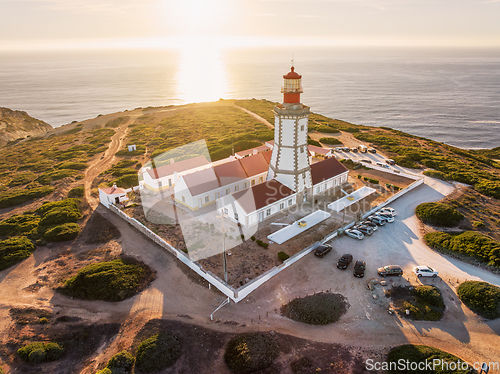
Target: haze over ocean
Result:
[[452, 95]]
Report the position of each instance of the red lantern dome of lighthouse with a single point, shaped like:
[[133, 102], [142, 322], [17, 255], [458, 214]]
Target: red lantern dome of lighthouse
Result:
[[292, 87]]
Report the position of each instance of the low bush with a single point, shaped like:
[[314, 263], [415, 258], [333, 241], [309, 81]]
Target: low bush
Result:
[[115, 122], [406, 162], [38, 352], [158, 352], [62, 233], [73, 165], [127, 181], [313, 142], [330, 141], [250, 352], [438, 214], [59, 216], [261, 243], [14, 250], [421, 354], [350, 164], [489, 188], [283, 256], [469, 243], [22, 224], [20, 195], [110, 281], [118, 172], [54, 175], [423, 302], [481, 297], [77, 192], [435, 174], [121, 363], [318, 309], [66, 204], [253, 238], [371, 180], [22, 178], [325, 129]]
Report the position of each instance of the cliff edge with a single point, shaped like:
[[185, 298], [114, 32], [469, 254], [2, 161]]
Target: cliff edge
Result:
[[15, 124]]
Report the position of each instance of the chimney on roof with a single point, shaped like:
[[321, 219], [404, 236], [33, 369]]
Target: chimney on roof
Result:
[[171, 161], [114, 186]]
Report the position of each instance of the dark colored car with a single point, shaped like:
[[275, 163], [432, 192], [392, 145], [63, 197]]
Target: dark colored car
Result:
[[359, 269], [322, 250], [390, 270], [390, 161], [367, 161], [370, 224], [344, 261], [347, 149], [378, 220], [372, 150]]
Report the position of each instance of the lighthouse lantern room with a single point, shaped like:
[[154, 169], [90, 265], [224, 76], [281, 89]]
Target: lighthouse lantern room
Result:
[[289, 161]]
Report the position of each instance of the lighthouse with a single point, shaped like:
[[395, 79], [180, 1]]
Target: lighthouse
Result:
[[290, 161]]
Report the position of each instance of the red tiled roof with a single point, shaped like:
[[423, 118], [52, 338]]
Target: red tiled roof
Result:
[[260, 195], [255, 164], [251, 151], [180, 166], [201, 181], [112, 190], [326, 169], [229, 172], [267, 155], [320, 150]]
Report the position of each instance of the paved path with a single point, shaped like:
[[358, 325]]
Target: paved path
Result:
[[257, 117]]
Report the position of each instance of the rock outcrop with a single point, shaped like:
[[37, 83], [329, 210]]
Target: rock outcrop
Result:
[[15, 124]]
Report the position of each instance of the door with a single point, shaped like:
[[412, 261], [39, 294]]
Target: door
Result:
[[117, 200], [200, 203], [261, 216]]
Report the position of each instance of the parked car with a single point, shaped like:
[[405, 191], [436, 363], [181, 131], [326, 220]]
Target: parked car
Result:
[[367, 161], [380, 221], [372, 150], [390, 270], [390, 161], [367, 230], [425, 271], [354, 149], [383, 165], [389, 218], [354, 234], [344, 261], [359, 269], [322, 250], [338, 149], [346, 149], [388, 210], [373, 225]]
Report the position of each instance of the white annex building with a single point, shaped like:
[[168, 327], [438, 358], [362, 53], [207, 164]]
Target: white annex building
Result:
[[258, 183]]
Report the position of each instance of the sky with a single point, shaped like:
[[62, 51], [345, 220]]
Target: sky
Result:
[[151, 23]]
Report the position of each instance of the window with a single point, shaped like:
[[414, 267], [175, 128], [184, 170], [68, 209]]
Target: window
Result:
[[318, 189], [268, 212], [159, 184], [183, 199], [217, 195], [228, 191], [301, 127], [324, 187], [303, 175], [245, 185], [301, 149], [236, 216], [207, 199], [261, 179], [290, 202], [253, 182], [236, 188], [282, 206], [170, 182]]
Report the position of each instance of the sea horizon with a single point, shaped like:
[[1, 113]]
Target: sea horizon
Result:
[[448, 95]]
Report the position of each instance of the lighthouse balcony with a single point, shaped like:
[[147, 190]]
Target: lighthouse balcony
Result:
[[286, 109], [296, 89]]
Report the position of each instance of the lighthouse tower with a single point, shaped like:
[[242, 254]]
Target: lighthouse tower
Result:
[[289, 161]]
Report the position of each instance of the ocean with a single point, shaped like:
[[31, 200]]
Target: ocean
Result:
[[450, 95]]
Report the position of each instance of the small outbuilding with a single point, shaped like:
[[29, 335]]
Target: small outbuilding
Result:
[[112, 195]]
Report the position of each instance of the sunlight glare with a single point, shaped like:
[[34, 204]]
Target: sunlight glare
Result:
[[202, 75]]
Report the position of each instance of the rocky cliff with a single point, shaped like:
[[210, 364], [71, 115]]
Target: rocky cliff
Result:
[[15, 124]]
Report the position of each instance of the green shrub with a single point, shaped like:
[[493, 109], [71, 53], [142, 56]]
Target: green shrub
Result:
[[423, 302], [105, 371], [313, 142], [438, 214], [350, 164], [478, 224], [121, 363], [158, 352], [22, 224], [110, 281], [19, 196], [62, 233], [41, 352], [115, 122], [359, 176], [421, 354], [318, 309], [261, 243], [73, 165], [283, 256], [22, 178], [127, 181], [406, 161], [59, 216], [469, 243], [252, 237], [66, 204], [118, 172], [325, 129], [330, 141], [488, 188], [481, 297], [51, 176], [250, 352], [14, 250], [435, 174], [77, 192]]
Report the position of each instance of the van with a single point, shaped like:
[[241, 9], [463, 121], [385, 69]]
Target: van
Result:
[[363, 148]]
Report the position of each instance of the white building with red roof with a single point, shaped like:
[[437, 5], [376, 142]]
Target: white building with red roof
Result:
[[112, 195]]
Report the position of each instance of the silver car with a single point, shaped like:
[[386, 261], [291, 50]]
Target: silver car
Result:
[[389, 218], [354, 234], [425, 271]]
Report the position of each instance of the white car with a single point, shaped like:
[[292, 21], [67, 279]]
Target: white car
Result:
[[388, 217], [383, 165], [388, 210], [378, 220], [354, 234], [425, 271]]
